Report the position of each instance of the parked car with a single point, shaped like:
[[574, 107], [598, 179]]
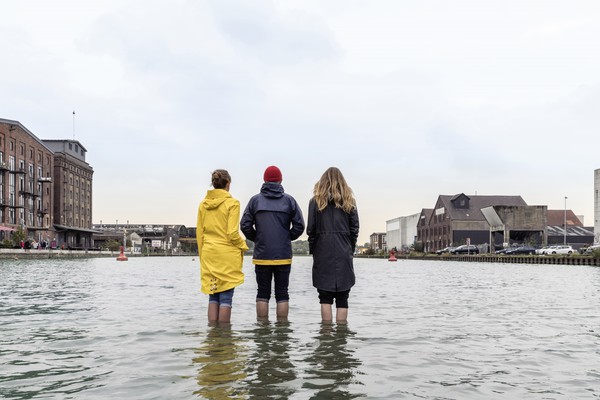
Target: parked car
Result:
[[465, 249], [505, 250], [444, 250], [545, 250], [521, 250], [591, 249], [561, 249]]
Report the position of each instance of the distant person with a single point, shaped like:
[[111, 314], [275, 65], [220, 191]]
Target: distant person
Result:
[[272, 219], [332, 229], [220, 246]]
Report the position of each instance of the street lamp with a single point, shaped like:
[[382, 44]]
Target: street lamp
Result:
[[565, 236]]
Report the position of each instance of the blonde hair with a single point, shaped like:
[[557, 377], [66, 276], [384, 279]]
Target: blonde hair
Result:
[[332, 187]]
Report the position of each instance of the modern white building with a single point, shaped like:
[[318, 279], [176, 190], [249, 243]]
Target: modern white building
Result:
[[596, 206], [401, 232]]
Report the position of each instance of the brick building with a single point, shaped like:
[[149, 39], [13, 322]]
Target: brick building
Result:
[[26, 192], [72, 194], [45, 188], [377, 241], [458, 219]]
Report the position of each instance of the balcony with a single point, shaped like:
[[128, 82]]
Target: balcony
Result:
[[17, 171], [27, 193]]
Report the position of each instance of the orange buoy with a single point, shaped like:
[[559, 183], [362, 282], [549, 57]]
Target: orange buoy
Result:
[[392, 256], [122, 256]]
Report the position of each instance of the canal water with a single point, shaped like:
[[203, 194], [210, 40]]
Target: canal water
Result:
[[98, 329]]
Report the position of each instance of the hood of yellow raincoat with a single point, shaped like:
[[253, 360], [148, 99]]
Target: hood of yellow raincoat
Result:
[[215, 197]]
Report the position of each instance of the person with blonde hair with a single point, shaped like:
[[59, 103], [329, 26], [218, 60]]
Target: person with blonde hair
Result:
[[332, 229], [220, 246]]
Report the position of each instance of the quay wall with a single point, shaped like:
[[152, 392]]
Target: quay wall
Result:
[[17, 254], [485, 258]]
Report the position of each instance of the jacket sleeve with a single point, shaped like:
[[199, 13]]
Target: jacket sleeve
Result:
[[297, 222], [200, 229], [247, 222], [311, 226], [354, 226], [233, 226]]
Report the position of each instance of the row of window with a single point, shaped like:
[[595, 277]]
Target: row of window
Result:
[[11, 148]]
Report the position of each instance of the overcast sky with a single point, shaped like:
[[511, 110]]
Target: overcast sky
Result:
[[410, 99]]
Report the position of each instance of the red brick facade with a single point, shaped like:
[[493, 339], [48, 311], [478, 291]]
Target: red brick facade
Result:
[[26, 192]]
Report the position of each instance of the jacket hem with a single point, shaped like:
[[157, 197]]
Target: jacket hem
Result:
[[272, 262]]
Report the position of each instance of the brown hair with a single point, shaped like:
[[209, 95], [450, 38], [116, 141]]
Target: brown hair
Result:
[[220, 178], [332, 187]]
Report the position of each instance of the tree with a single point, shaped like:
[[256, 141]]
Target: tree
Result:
[[18, 236], [113, 245]]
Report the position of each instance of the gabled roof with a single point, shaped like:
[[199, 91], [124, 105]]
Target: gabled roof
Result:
[[557, 218], [426, 213], [476, 203]]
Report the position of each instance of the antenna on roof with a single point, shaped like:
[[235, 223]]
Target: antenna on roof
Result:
[[73, 124]]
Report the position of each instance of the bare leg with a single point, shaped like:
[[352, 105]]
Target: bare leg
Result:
[[224, 314], [283, 309], [326, 312], [213, 312], [341, 315], [262, 310]]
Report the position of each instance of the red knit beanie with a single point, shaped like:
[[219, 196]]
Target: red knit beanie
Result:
[[272, 174]]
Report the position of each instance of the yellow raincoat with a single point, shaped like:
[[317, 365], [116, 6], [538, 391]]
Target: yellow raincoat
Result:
[[220, 246]]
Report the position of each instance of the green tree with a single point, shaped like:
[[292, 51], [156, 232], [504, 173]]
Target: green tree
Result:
[[300, 247], [370, 252], [113, 245], [18, 236]]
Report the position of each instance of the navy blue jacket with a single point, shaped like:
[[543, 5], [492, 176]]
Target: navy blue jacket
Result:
[[272, 219]]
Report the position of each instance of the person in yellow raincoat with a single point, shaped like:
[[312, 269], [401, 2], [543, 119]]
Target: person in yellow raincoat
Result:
[[220, 246]]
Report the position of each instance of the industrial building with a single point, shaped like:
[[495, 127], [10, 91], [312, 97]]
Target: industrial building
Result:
[[45, 189]]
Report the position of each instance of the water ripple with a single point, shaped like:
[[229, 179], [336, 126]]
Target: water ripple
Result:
[[97, 329]]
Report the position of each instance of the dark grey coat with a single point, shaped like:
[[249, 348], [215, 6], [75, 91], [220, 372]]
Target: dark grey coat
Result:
[[332, 235]]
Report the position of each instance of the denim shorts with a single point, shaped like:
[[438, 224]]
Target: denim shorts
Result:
[[223, 299], [267, 273], [341, 298]]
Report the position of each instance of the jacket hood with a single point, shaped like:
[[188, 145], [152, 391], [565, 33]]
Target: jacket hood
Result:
[[215, 197], [272, 190]]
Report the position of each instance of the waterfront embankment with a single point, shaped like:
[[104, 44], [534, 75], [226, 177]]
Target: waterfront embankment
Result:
[[503, 259], [16, 254]]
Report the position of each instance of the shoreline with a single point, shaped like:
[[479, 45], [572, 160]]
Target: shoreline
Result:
[[17, 254]]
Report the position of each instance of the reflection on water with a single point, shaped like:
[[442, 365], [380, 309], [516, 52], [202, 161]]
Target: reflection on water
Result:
[[222, 364], [332, 366], [270, 368]]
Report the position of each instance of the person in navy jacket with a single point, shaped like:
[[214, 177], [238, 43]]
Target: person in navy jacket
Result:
[[272, 219]]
